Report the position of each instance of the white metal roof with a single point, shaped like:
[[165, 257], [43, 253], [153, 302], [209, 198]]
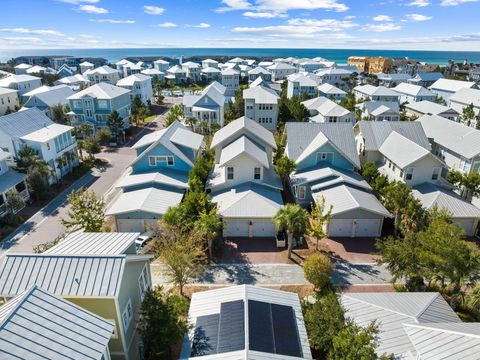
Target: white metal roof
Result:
[[258, 70], [429, 108], [392, 310], [152, 72], [209, 302], [413, 90], [104, 70], [325, 107], [330, 89], [248, 201], [94, 243], [261, 95], [5, 91], [150, 200], [22, 123], [401, 150], [101, 90], [243, 125], [187, 138], [211, 70], [13, 79], [431, 195], [64, 275], [38, 325], [178, 179], [371, 90], [461, 139], [302, 80], [449, 85], [467, 96], [281, 66], [132, 79], [47, 133], [243, 146]]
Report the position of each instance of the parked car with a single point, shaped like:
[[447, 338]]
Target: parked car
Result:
[[142, 240]]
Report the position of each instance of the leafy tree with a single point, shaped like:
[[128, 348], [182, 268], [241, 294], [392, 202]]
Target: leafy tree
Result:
[[58, 114], [209, 226], [298, 111], [285, 166], [468, 114], [370, 172], [143, 113], [92, 146], [27, 159], [397, 196], [239, 104], [348, 102], [291, 218], [175, 114], [86, 213], [323, 320], [284, 114], [319, 219], [468, 181], [354, 342], [318, 269], [104, 136], [136, 104], [162, 323], [181, 252], [191, 121], [37, 181], [115, 123], [13, 201], [80, 148]]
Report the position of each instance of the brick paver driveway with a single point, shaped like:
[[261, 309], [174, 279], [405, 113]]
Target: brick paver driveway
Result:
[[255, 250], [353, 250]]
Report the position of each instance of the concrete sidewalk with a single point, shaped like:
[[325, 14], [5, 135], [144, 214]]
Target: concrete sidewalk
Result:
[[281, 274]]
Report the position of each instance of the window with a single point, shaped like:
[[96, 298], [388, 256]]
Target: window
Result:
[[325, 156], [230, 173], [301, 192], [257, 173], [127, 314], [409, 174], [102, 104], [154, 160], [20, 186], [143, 282], [436, 172]]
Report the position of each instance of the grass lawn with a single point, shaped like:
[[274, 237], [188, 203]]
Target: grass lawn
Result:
[[150, 118]]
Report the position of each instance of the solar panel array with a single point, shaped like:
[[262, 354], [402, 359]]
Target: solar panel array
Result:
[[220, 333], [273, 329]]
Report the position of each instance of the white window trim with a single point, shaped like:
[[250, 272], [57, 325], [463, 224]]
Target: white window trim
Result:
[[153, 160], [233, 173], [407, 172], [259, 172], [439, 169], [304, 189], [129, 315], [143, 276]]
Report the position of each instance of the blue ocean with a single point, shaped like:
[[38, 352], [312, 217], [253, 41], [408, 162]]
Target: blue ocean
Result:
[[337, 55]]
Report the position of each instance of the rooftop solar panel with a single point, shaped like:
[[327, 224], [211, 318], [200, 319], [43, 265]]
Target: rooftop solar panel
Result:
[[285, 331], [231, 336], [205, 337]]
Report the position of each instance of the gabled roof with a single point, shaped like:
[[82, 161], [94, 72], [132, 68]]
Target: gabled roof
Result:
[[211, 70], [103, 70], [392, 310], [413, 90], [248, 200], [305, 138], [246, 126], [325, 107], [176, 70], [13, 79], [150, 200], [461, 139], [261, 95], [37, 324], [63, 275], [152, 72], [73, 79], [5, 91], [371, 90], [402, 151], [454, 341], [191, 64], [452, 85], [161, 61], [429, 108], [210, 61], [302, 80], [47, 133], [23, 123], [429, 76], [243, 146], [86, 63], [281, 66], [229, 71], [100, 91], [174, 178], [467, 96], [375, 132], [333, 71], [376, 108], [132, 79], [50, 97], [431, 195], [330, 89], [258, 71], [344, 198], [95, 243], [214, 91], [169, 138]]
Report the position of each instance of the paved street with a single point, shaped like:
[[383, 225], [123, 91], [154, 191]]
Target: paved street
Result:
[[281, 274], [45, 225]]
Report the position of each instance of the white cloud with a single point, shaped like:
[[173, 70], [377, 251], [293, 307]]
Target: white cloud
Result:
[[30, 31], [350, 17], [281, 5], [455, 2], [167, 25], [76, 2], [381, 27], [200, 26], [113, 21], [382, 18], [264, 14], [417, 17], [419, 3], [153, 10], [92, 9]]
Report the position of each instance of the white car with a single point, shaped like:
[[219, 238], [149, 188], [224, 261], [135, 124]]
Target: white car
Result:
[[142, 240]]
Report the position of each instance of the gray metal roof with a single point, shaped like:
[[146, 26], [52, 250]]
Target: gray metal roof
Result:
[[170, 177], [94, 243], [401, 150], [261, 95], [10, 179], [459, 138], [414, 90], [453, 341], [431, 195], [325, 107], [303, 135], [38, 325], [391, 310], [450, 85], [63, 275], [243, 146], [53, 96], [101, 90], [24, 122], [150, 200], [243, 125], [375, 132], [429, 107]]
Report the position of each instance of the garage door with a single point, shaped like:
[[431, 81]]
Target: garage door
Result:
[[263, 228], [130, 225], [466, 225], [235, 228], [340, 228], [367, 228]]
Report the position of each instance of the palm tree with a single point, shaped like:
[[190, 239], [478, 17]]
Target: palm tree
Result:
[[27, 158], [61, 162], [80, 148], [191, 121], [291, 218]]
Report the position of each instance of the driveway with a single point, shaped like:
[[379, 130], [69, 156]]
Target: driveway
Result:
[[253, 251], [353, 250], [45, 225]]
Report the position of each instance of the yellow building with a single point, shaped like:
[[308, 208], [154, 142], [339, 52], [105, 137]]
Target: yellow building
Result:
[[371, 65]]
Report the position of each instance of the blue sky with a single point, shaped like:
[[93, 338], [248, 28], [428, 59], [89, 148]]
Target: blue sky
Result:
[[369, 24]]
